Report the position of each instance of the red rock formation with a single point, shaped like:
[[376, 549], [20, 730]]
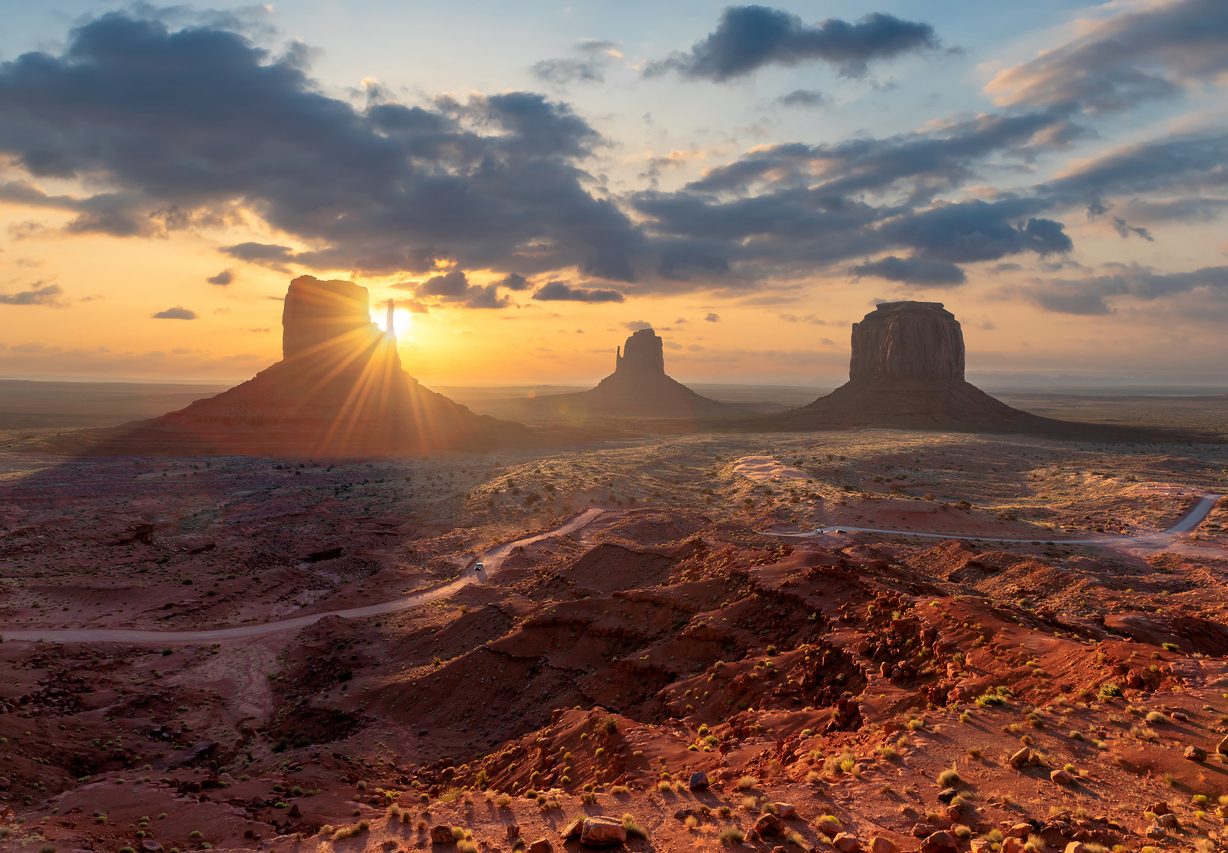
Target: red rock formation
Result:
[[339, 391], [638, 388], [919, 340]]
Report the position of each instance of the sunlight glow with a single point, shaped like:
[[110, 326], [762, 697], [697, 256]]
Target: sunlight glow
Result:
[[401, 319]]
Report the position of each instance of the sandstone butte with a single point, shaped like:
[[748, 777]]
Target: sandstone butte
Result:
[[638, 388], [907, 372], [339, 391]]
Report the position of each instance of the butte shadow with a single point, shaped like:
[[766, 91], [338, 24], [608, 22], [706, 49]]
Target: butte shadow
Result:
[[638, 388], [338, 392], [907, 372]]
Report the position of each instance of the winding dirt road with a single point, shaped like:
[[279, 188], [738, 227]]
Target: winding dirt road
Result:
[[490, 561]]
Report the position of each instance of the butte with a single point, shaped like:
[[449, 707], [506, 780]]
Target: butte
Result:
[[907, 372], [638, 388], [339, 391]]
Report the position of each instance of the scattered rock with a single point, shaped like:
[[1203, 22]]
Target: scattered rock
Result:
[[698, 781], [541, 845], [1020, 830], [513, 830], [939, 842], [4, 783], [441, 834], [1159, 808], [879, 844], [1076, 847], [1222, 747], [947, 794], [1156, 832], [829, 826], [846, 842], [1061, 777], [573, 829], [769, 824], [602, 832], [1168, 821], [1195, 753], [1022, 757], [786, 811], [151, 845]]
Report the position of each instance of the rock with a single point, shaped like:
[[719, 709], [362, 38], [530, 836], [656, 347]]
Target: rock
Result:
[[1222, 747], [441, 834], [573, 829], [1076, 847], [1022, 757], [316, 314], [1156, 832], [787, 811], [1134, 680], [698, 781], [4, 783], [1196, 753], [980, 845], [1061, 777], [947, 794], [644, 350], [847, 843], [879, 844], [955, 811], [1020, 830], [829, 826], [1180, 716], [1012, 845], [769, 824], [513, 830], [1159, 808], [602, 832], [683, 814], [1168, 821], [541, 845], [908, 340], [295, 811], [939, 842], [150, 845]]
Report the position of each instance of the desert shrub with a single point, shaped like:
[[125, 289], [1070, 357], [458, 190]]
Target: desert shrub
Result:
[[353, 831], [747, 782], [634, 830], [503, 801], [732, 835], [1170, 647], [1109, 691], [948, 777], [1156, 718]]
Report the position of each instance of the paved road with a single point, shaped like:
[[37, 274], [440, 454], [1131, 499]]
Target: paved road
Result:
[[490, 561], [1191, 520]]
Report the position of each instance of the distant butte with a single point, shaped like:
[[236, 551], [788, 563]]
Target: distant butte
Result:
[[338, 392], [638, 388], [907, 372]]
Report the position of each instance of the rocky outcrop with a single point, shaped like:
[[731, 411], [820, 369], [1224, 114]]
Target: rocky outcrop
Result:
[[338, 392], [907, 371], [638, 388], [908, 340]]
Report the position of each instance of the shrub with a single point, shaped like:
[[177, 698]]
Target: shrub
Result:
[[1109, 691], [732, 835], [948, 777], [1170, 647], [634, 830], [747, 782], [354, 831], [1156, 718]]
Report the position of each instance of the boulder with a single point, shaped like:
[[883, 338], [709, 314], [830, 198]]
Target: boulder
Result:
[[829, 826], [879, 844], [1076, 847], [939, 842], [1195, 753], [1168, 821], [573, 829], [947, 794], [1061, 777], [1022, 757], [602, 832], [1159, 808], [541, 845], [787, 811], [441, 834], [769, 824], [1222, 746], [513, 830], [698, 781], [846, 842]]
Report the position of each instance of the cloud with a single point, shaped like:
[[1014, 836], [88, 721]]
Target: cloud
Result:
[[513, 281], [1125, 230], [751, 37], [1125, 60], [176, 313], [1090, 295], [223, 278], [636, 325], [589, 68], [379, 189], [561, 291], [453, 288], [803, 98], [46, 294], [713, 318], [918, 271]]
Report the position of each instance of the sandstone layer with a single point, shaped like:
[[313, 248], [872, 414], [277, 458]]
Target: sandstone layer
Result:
[[638, 388], [338, 392]]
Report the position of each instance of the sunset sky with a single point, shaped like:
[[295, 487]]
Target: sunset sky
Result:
[[531, 181]]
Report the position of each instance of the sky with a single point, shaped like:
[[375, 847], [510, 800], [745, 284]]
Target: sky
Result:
[[531, 182]]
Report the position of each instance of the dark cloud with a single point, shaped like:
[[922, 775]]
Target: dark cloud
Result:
[[199, 117], [514, 281], [453, 288], [802, 98], [589, 68], [1090, 295], [749, 37], [978, 231], [176, 313], [1125, 60], [266, 254], [37, 294], [561, 291], [918, 271], [223, 278], [1125, 230], [713, 318]]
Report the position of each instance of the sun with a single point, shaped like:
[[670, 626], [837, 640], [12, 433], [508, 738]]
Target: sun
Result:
[[401, 320]]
